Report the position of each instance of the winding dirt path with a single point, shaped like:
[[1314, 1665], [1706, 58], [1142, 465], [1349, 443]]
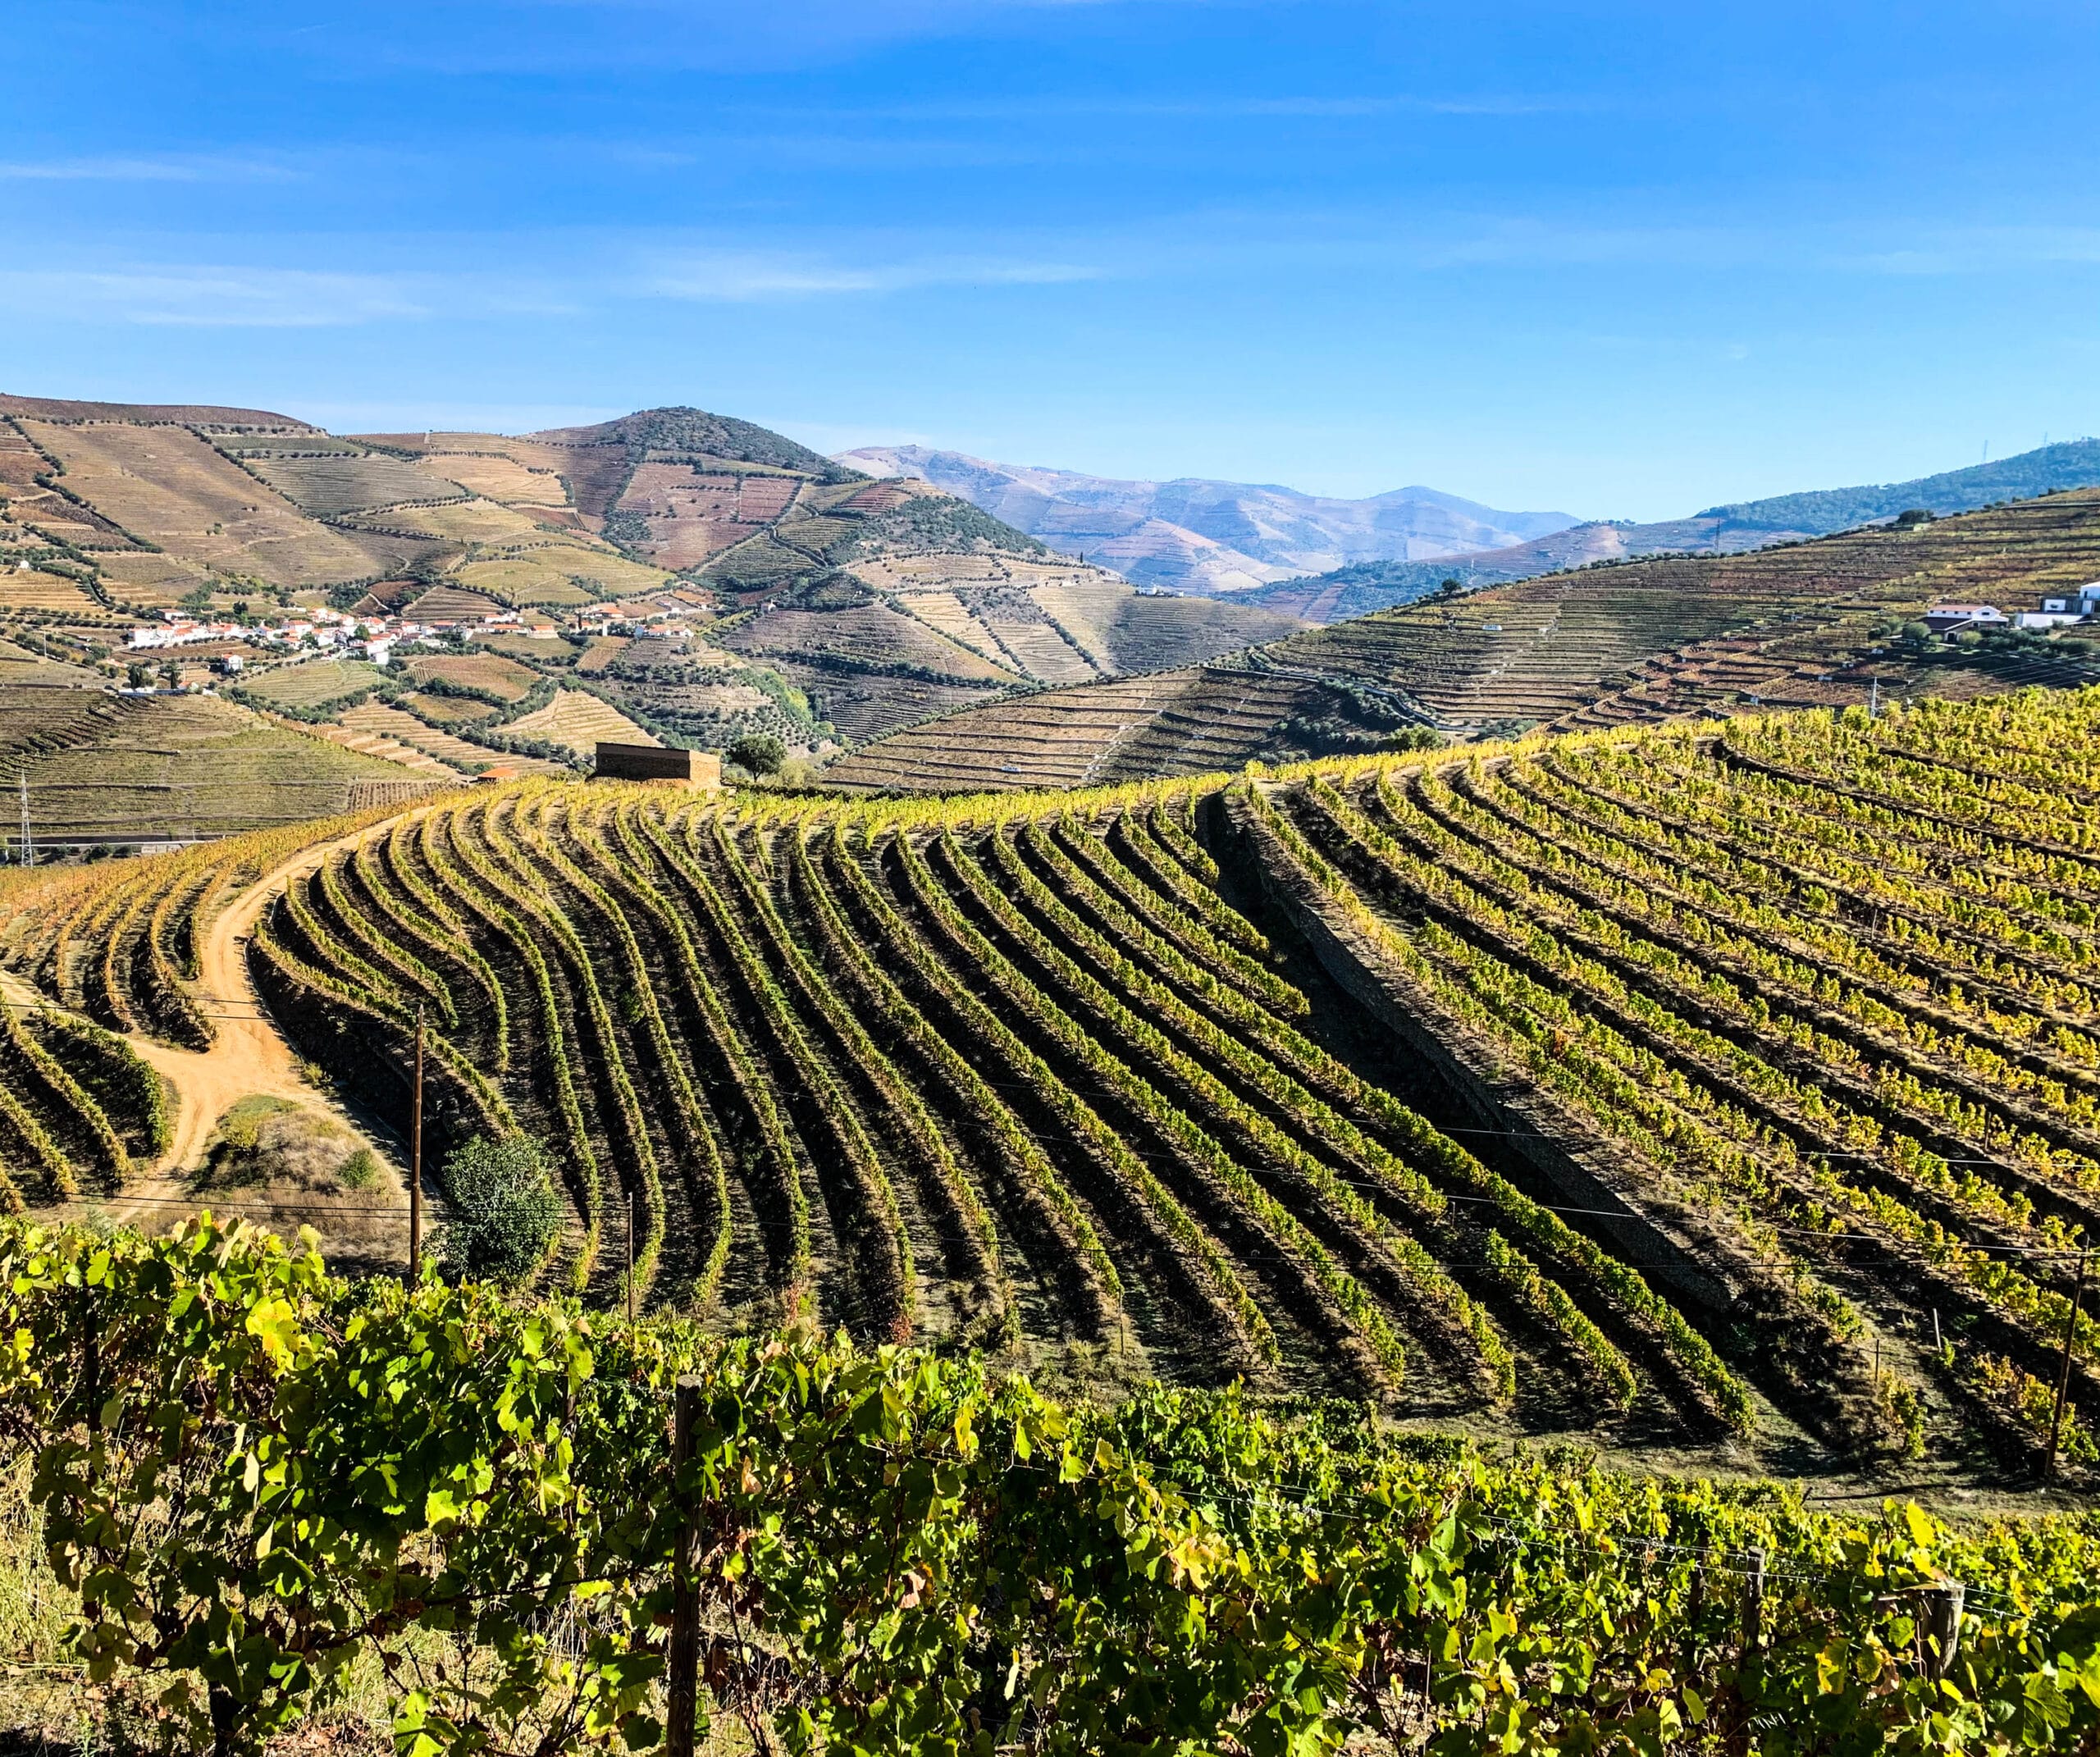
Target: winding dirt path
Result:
[[249, 1058]]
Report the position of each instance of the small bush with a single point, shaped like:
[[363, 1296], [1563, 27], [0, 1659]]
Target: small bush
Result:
[[359, 1169], [504, 1210], [759, 754], [1416, 738]]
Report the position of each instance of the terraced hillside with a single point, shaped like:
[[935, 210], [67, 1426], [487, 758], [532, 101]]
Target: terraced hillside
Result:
[[1804, 625], [124, 769], [1197, 721], [793, 596], [1545, 647], [1670, 1084]]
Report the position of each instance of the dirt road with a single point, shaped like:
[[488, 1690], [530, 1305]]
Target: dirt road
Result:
[[249, 1058]]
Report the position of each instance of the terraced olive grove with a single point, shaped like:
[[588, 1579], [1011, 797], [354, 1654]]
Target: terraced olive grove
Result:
[[1673, 1084]]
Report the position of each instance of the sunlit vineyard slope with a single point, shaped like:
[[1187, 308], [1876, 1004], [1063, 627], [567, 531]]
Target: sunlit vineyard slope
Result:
[[1673, 1083], [1807, 624]]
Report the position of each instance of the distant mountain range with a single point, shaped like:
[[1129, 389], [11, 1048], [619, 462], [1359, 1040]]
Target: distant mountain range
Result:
[[1195, 534], [1325, 559], [1358, 589]]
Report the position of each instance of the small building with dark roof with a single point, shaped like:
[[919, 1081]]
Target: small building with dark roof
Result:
[[657, 762]]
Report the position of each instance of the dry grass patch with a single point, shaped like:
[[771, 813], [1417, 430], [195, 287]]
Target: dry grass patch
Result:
[[501, 677], [445, 710], [353, 483], [37, 590], [603, 650], [167, 485], [560, 573], [475, 521], [497, 477], [314, 685], [581, 721]]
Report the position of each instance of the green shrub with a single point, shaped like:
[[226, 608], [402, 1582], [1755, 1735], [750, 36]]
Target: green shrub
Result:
[[759, 753], [504, 1209]]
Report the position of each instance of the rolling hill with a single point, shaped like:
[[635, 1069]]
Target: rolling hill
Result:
[[1609, 1084], [113, 771], [721, 579], [1358, 588], [1812, 623], [1199, 536]]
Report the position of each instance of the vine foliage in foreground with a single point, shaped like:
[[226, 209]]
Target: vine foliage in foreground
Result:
[[252, 1473]]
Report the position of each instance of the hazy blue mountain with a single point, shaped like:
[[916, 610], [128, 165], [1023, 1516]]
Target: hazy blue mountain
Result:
[[1356, 589], [1214, 537]]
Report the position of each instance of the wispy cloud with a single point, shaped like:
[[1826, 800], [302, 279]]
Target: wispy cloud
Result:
[[1969, 250], [1282, 106], [480, 278], [327, 283], [567, 36], [212, 297], [745, 276], [176, 168]]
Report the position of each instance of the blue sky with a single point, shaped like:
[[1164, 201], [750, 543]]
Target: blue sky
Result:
[[1618, 259]]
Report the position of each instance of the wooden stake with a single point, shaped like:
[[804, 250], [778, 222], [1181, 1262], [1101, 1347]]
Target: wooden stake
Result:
[[682, 1662], [630, 1257], [91, 1383], [1942, 1622], [1938, 1346], [1753, 1603], [2063, 1372], [416, 1162]]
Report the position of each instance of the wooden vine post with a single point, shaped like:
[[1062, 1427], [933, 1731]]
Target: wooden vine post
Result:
[[1942, 1622], [416, 1162], [681, 1663], [2063, 1371]]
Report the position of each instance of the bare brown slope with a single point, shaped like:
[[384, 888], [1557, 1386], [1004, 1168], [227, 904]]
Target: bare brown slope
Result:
[[178, 414]]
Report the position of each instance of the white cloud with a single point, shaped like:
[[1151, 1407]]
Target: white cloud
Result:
[[210, 297], [475, 278], [737, 276], [178, 168]]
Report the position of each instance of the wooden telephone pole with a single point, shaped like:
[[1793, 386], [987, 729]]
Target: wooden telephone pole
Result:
[[416, 1163]]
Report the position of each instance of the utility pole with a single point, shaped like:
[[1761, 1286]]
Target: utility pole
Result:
[[2063, 1372], [416, 1163], [27, 848], [630, 1259]]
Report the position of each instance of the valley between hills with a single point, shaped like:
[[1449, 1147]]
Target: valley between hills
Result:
[[1071, 963], [215, 619], [1620, 1046]]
